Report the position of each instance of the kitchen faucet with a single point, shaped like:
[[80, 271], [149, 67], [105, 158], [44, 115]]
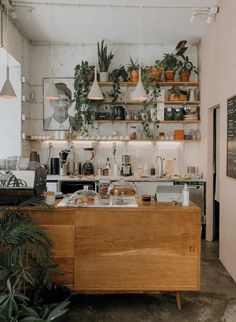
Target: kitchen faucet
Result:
[[162, 170]]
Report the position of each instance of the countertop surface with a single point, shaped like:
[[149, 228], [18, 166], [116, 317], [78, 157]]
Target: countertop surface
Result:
[[130, 178]]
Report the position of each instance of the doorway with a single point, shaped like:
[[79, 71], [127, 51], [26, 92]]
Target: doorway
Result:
[[216, 161]]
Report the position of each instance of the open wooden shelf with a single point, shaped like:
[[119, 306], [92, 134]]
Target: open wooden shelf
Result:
[[108, 140], [141, 103], [139, 121], [130, 84]]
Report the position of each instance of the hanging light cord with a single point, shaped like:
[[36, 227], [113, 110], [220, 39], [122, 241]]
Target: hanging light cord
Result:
[[52, 39], [139, 34], [7, 33]]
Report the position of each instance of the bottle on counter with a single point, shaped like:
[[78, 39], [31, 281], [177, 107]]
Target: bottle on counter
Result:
[[152, 171], [185, 196]]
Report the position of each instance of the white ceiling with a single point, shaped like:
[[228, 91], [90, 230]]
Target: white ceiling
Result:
[[94, 20]]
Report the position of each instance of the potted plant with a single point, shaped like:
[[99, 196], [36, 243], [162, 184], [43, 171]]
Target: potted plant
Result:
[[104, 60], [26, 254], [154, 73], [177, 94], [170, 66], [133, 69], [186, 67]]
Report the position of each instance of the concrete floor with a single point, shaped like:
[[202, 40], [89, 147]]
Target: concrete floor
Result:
[[215, 302]]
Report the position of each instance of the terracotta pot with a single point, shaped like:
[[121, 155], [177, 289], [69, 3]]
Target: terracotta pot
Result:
[[184, 76], [173, 97], [169, 75], [155, 73], [91, 76], [134, 74]]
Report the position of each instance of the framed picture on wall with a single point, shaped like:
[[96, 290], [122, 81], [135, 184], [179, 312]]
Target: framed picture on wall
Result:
[[59, 114], [231, 137]]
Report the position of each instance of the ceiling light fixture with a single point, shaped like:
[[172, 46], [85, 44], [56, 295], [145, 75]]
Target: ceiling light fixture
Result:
[[7, 90], [212, 14], [52, 93], [193, 17], [95, 92], [139, 93]]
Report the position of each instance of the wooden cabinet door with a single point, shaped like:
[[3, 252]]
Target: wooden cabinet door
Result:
[[137, 251]]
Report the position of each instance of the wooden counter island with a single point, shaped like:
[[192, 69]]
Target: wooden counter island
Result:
[[152, 248]]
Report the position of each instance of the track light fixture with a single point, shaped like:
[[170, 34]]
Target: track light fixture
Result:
[[210, 12]]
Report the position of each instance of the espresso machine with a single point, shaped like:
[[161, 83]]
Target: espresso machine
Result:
[[126, 168], [89, 155]]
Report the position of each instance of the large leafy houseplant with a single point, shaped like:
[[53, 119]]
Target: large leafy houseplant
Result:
[[82, 104], [25, 250]]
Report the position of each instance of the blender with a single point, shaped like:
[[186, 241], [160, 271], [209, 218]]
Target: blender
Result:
[[88, 167], [63, 164]]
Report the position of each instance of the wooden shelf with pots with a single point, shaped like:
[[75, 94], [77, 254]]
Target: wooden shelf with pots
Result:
[[130, 84], [165, 102]]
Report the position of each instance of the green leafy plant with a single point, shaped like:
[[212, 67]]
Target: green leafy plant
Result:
[[177, 91], [133, 64], [169, 62], [116, 75], [185, 65], [104, 58], [24, 247], [83, 106]]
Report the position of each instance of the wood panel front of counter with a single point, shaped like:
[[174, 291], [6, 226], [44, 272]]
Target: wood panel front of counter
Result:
[[155, 247]]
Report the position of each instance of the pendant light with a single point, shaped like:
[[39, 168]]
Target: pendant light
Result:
[[139, 93], [95, 92], [52, 93], [7, 90]]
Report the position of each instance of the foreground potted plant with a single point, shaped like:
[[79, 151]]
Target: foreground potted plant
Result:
[[25, 263], [186, 67], [104, 61], [133, 69], [170, 65]]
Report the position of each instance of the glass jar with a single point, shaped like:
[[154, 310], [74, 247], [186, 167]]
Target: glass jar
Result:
[[133, 133], [84, 197]]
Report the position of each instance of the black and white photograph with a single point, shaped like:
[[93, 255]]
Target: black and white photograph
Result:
[[59, 114]]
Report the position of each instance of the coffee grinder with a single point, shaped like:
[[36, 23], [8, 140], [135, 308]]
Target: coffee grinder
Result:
[[63, 162], [126, 168], [89, 155]]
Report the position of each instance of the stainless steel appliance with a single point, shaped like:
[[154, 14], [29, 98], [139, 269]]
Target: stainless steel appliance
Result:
[[20, 185], [196, 193], [63, 164], [126, 168], [88, 167]]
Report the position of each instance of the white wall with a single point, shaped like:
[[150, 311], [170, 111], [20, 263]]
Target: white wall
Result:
[[19, 47], [66, 58], [218, 82]]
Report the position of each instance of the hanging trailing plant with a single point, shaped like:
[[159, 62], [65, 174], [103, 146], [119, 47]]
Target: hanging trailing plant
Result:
[[82, 104], [116, 75], [153, 91]]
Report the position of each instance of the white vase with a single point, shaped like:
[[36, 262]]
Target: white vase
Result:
[[104, 76]]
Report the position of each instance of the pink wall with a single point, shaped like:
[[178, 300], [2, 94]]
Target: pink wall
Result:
[[217, 56]]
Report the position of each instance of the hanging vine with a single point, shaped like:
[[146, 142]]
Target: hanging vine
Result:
[[83, 105]]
